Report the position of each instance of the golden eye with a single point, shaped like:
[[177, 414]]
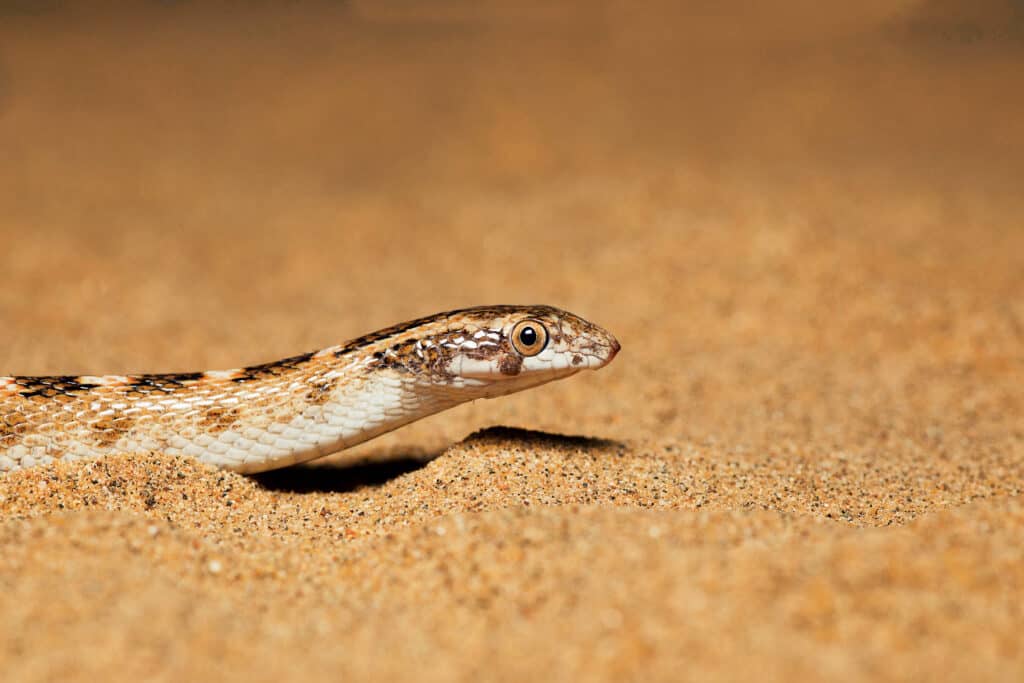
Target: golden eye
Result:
[[529, 337]]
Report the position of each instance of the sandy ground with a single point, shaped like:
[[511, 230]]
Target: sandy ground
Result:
[[805, 228]]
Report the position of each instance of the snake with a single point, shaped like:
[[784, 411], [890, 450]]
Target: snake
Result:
[[294, 410]]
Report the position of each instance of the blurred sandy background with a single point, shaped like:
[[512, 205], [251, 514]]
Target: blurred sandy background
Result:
[[803, 224]]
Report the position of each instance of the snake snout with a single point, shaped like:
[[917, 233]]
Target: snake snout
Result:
[[614, 347]]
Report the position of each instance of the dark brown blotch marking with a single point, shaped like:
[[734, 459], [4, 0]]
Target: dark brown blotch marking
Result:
[[162, 383], [50, 387], [432, 358], [278, 367], [12, 426], [361, 342], [217, 419], [320, 390], [511, 364], [107, 430], [181, 377], [577, 359]]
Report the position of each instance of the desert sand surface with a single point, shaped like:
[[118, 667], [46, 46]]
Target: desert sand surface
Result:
[[804, 225]]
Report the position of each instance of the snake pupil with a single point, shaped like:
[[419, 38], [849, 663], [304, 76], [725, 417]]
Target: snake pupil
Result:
[[528, 336]]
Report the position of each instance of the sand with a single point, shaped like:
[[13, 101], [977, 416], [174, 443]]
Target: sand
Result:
[[806, 463]]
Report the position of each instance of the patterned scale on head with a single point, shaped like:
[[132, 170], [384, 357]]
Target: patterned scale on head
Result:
[[275, 414], [497, 350]]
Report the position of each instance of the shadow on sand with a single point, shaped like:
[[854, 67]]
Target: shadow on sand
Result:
[[346, 478], [337, 478]]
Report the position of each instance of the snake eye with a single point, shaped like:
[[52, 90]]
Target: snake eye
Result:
[[529, 337]]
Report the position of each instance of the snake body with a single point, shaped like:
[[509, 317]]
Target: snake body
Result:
[[293, 410]]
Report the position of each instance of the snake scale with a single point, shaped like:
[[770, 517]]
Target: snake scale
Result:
[[267, 416]]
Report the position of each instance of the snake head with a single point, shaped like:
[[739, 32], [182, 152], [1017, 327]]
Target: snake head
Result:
[[509, 348]]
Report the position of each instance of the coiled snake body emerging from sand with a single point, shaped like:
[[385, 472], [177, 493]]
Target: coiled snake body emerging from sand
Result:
[[273, 415]]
